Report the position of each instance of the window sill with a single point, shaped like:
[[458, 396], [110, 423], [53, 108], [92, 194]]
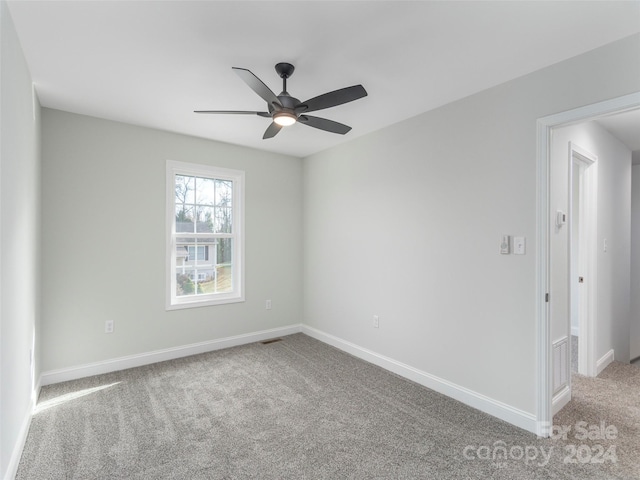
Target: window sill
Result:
[[203, 303]]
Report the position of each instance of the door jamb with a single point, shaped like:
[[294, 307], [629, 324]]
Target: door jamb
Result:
[[588, 228]]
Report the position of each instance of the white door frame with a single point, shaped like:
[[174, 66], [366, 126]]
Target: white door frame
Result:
[[583, 163], [543, 222]]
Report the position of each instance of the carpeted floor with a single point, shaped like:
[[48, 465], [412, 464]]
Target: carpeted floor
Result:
[[299, 409]]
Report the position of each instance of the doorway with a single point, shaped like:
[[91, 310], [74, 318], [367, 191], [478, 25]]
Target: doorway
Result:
[[545, 298]]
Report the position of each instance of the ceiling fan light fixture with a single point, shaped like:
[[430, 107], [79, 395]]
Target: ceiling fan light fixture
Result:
[[284, 110], [284, 119]]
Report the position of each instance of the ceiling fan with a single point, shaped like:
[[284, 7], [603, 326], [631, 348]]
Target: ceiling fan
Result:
[[286, 110]]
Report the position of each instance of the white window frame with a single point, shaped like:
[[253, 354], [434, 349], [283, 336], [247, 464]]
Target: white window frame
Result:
[[174, 302]]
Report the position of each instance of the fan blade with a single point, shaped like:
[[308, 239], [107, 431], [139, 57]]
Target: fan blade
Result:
[[257, 85], [235, 112], [332, 99], [271, 131], [324, 124]]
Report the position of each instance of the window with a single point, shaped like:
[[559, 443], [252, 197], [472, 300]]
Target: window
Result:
[[202, 252], [204, 239]]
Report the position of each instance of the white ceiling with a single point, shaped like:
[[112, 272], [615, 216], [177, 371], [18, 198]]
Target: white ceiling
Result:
[[625, 127], [152, 63]]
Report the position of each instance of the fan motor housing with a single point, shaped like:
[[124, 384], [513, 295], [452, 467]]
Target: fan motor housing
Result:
[[288, 101]]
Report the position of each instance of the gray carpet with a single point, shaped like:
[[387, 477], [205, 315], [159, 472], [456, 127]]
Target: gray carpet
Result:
[[299, 409]]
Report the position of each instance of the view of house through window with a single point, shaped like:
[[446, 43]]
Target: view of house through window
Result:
[[203, 237]]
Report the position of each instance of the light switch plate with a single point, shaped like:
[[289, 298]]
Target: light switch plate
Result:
[[519, 245]]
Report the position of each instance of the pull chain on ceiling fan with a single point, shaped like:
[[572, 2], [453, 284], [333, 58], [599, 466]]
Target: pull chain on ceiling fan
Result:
[[285, 110]]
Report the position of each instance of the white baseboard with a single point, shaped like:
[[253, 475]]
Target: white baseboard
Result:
[[14, 460], [604, 362], [483, 403], [138, 360], [560, 399]]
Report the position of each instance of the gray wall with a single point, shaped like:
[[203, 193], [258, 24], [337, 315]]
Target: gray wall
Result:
[[19, 243], [104, 241], [406, 223]]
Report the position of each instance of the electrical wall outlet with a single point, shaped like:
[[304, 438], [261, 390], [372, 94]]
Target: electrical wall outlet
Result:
[[267, 305], [376, 321], [108, 326]]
